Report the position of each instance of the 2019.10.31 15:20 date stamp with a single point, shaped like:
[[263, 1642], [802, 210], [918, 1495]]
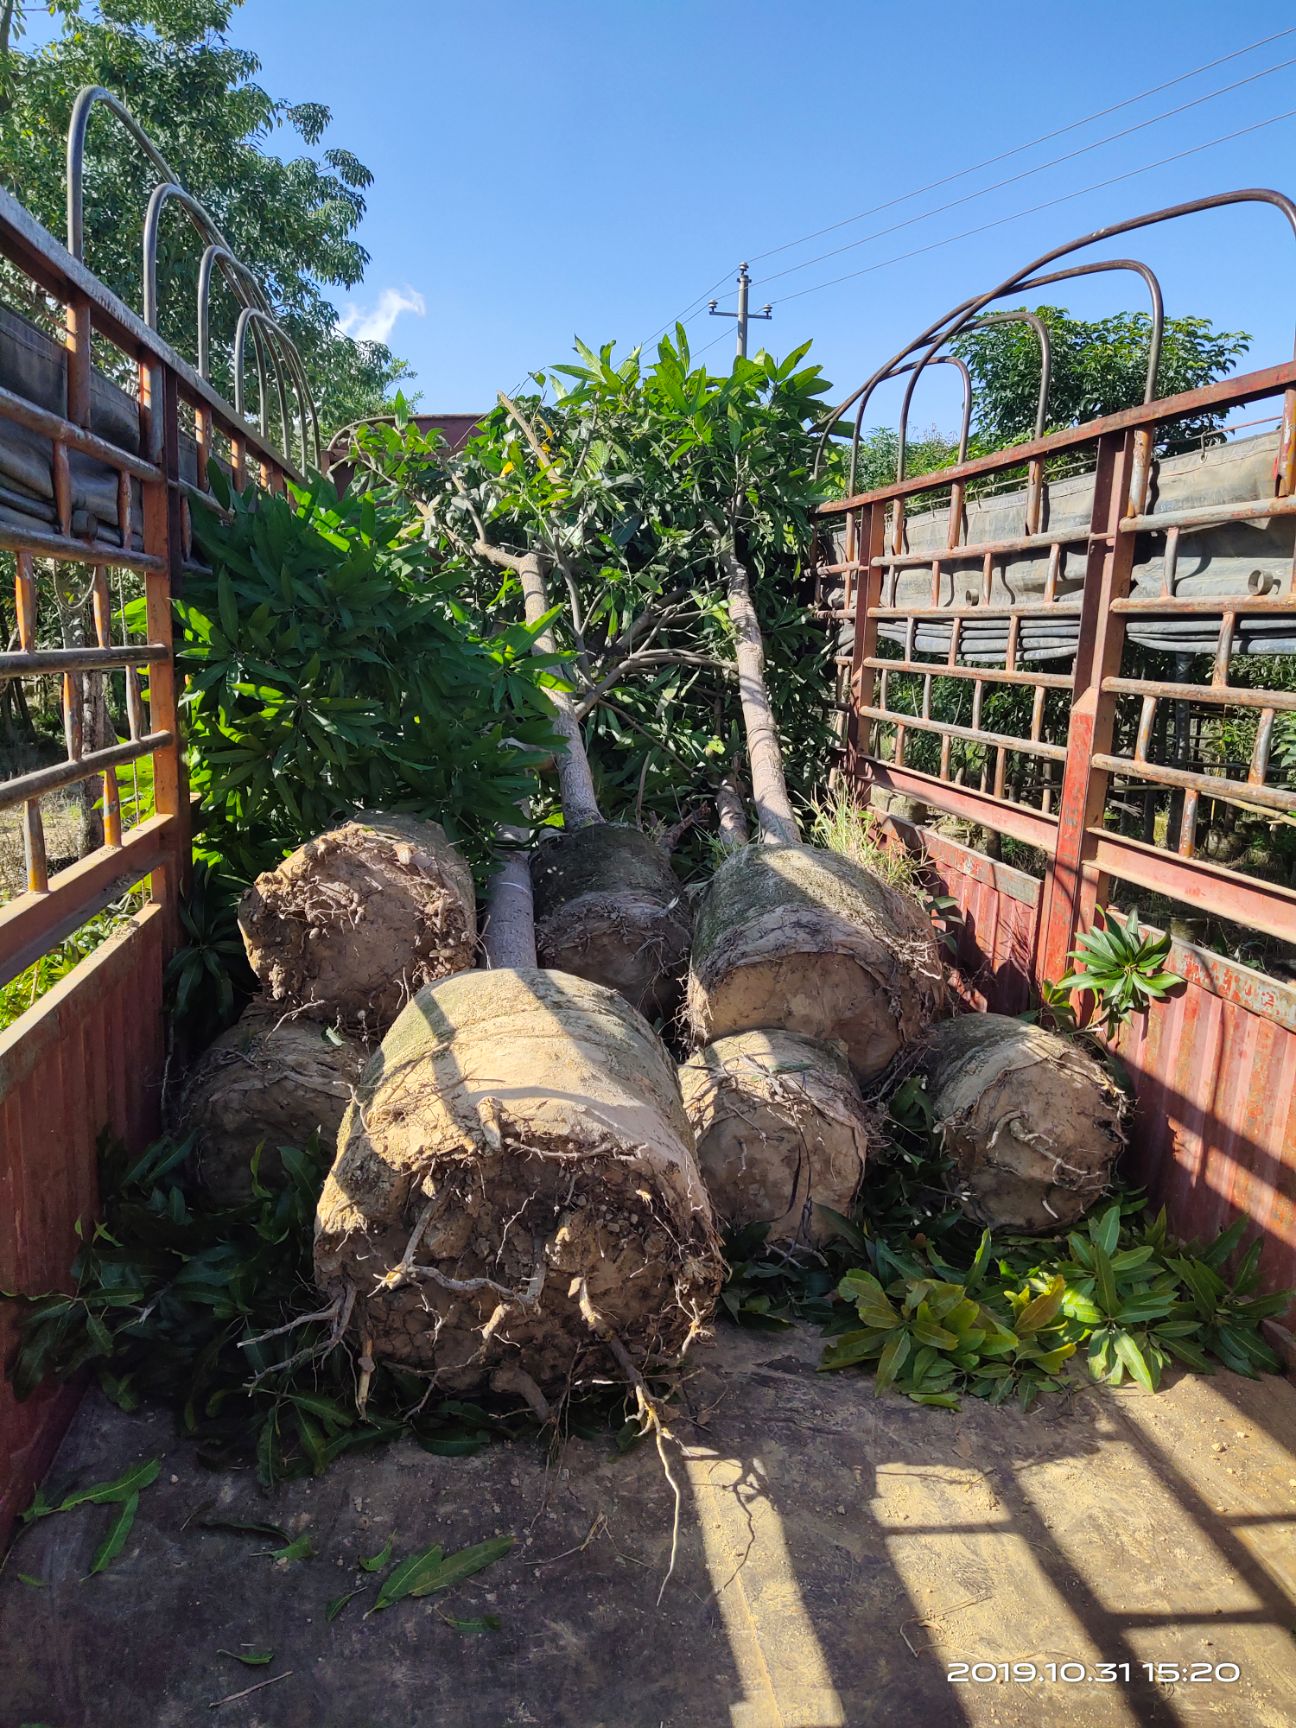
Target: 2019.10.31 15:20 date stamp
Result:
[[1091, 1673]]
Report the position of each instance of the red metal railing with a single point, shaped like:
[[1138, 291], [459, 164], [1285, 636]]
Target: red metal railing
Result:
[[98, 480], [945, 584]]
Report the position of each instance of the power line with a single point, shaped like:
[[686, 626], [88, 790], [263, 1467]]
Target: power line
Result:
[[695, 306], [688, 314], [1027, 173], [1046, 204], [1018, 149]]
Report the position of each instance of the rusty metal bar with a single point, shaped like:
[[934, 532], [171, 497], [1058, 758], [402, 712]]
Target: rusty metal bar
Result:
[[1003, 740], [1227, 695], [1069, 896], [102, 608], [1212, 785], [1261, 905], [1017, 821], [1209, 515], [41, 781], [67, 550], [991, 674], [53, 426], [1027, 609], [1224, 393], [36, 922], [986, 549], [62, 660], [1205, 606]]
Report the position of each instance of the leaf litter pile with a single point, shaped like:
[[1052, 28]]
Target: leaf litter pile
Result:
[[939, 1309]]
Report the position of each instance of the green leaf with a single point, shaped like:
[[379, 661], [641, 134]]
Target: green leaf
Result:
[[376, 1562], [870, 1300], [1043, 1310], [400, 1581], [118, 1531], [244, 1526], [483, 1623], [250, 1658], [454, 1568], [338, 1603], [1105, 1231], [131, 1481], [892, 1360], [303, 1548], [852, 1347], [1132, 1357]]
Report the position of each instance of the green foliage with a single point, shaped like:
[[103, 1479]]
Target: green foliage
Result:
[[123, 1494], [877, 459], [174, 1298], [624, 484], [433, 1570], [331, 669], [1123, 968], [909, 1285], [1008, 1322], [292, 221], [1099, 366]]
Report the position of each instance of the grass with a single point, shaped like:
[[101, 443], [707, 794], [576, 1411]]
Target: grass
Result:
[[842, 825]]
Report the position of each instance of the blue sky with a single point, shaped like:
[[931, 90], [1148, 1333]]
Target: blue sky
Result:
[[593, 167]]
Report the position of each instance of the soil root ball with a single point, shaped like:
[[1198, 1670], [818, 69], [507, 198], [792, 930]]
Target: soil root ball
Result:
[[269, 1081], [780, 1129], [517, 1149], [349, 926], [805, 940], [610, 908], [1033, 1123]]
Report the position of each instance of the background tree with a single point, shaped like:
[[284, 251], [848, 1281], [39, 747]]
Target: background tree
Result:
[[1099, 367], [625, 484], [292, 220]]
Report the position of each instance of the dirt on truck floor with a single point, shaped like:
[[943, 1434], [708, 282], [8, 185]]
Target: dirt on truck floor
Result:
[[838, 1553]]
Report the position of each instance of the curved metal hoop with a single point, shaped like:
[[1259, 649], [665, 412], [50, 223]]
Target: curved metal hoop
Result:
[[899, 372], [252, 316], [948, 325], [243, 283]]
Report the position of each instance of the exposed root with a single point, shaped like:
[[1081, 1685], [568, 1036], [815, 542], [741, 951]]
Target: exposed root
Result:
[[512, 1379], [338, 1311], [648, 1410]]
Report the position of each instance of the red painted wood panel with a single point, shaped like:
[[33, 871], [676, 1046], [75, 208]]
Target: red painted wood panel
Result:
[[88, 1058]]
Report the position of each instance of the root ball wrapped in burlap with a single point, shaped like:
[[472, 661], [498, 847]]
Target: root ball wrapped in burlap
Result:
[[805, 940], [269, 1081], [780, 1128], [518, 1157], [349, 926], [610, 908], [1033, 1123]]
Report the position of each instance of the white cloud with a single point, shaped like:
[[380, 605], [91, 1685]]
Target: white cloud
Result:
[[376, 323]]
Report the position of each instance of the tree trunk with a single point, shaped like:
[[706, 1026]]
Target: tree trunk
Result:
[[580, 805], [802, 939], [353, 923], [769, 787], [781, 1130], [508, 935], [731, 815], [608, 906]]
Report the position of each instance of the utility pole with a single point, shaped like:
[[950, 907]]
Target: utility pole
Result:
[[743, 316]]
